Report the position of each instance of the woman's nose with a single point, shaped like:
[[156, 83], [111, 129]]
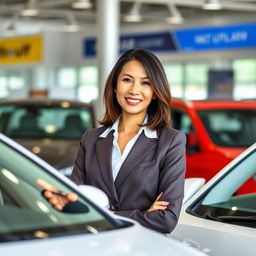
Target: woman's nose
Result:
[[134, 89]]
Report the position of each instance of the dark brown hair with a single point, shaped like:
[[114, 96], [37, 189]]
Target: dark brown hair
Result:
[[158, 111]]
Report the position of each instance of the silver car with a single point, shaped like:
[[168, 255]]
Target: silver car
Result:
[[217, 219], [30, 226]]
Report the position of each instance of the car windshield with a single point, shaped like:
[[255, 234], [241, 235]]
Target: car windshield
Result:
[[230, 127], [42, 121], [26, 214], [232, 197]]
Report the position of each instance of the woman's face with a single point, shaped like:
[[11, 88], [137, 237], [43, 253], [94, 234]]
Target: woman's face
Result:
[[134, 91]]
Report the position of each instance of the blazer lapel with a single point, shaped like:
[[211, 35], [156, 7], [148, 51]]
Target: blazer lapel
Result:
[[142, 147], [104, 156]]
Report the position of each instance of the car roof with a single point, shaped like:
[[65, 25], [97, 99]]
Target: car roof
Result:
[[43, 102], [216, 104]]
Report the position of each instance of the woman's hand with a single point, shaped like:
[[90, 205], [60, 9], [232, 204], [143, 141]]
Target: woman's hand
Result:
[[158, 205], [56, 198]]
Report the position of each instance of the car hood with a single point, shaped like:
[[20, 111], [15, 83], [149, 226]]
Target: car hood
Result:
[[231, 152], [58, 153], [131, 241]]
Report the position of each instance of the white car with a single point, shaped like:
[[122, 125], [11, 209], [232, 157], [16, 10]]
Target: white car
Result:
[[217, 219], [30, 226]]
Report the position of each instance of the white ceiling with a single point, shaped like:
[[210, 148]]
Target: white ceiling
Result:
[[54, 12]]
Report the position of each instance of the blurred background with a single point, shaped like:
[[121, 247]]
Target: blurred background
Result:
[[49, 47], [55, 56]]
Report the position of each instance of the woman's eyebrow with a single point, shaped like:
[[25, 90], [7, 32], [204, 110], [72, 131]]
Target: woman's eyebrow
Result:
[[125, 74]]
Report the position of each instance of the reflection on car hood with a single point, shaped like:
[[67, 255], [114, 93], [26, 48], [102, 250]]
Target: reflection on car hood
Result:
[[58, 153], [131, 241], [231, 152]]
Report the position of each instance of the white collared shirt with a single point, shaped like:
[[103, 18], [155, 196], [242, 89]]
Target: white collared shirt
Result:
[[117, 157]]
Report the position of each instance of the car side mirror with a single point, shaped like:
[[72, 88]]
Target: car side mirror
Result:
[[191, 186], [192, 143], [96, 195]]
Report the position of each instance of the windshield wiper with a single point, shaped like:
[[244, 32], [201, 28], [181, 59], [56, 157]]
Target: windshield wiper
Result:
[[251, 218]]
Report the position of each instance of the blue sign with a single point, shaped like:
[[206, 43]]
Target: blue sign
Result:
[[211, 38], [156, 42]]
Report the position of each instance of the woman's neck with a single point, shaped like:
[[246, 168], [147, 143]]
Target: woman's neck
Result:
[[130, 124]]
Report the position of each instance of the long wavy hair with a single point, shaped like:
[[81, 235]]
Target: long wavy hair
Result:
[[159, 114]]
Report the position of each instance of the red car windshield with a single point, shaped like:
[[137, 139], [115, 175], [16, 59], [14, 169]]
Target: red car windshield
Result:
[[230, 127]]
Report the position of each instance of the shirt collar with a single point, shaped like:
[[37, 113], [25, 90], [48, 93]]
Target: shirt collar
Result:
[[151, 134]]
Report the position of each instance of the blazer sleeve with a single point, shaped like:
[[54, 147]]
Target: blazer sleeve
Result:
[[78, 173], [171, 183]]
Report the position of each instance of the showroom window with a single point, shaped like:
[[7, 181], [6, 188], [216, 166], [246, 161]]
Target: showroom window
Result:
[[14, 80], [244, 79], [88, 84], [67, 77], [196, 80], [174, 75], [3, 85]]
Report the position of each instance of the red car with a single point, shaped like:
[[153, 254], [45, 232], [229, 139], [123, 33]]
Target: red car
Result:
[[217, 131]]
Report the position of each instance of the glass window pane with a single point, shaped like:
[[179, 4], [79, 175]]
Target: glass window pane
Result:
[[88, 93], [16, 82], [174, 75], [244, 79], [3, 87], [88, 75], [66, 77], [196, 75], [88, 84], [245, 70]]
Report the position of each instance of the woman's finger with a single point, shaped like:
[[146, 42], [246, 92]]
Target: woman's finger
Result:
[[161, 203], [158, 197], [45, 185], [72, 197], [159, 207]]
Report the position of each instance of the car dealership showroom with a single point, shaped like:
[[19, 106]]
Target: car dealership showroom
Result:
[[127, 127]]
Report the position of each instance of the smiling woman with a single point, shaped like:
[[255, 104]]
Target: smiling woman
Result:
[[136, 158]]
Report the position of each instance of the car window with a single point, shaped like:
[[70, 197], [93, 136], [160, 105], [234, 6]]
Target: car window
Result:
[[230, 127], [26, 214], [181, 121], [42, 121], [232, 199]]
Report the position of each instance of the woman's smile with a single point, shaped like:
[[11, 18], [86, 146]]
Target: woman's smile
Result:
[[133, 101]]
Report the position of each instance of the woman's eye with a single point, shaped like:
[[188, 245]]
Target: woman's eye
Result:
[[146, 83], [127, 80]]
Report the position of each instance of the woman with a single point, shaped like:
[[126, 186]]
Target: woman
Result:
[[135, 157]]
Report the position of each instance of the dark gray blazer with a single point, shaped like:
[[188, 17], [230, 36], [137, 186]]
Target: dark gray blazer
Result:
[[152, 166]]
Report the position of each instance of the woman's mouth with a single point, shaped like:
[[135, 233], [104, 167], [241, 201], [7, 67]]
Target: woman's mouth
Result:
[[132, 101]]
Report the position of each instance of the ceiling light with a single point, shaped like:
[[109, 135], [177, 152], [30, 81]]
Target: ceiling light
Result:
[[176, 17], [30, 9], [212, 5], [10, 30], [134, 15], [82, 4], [72, 25]]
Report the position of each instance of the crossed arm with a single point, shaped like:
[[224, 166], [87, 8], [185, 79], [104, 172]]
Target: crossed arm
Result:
[[59, 199]]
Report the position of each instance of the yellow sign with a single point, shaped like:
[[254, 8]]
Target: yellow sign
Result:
[[21, 49]]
